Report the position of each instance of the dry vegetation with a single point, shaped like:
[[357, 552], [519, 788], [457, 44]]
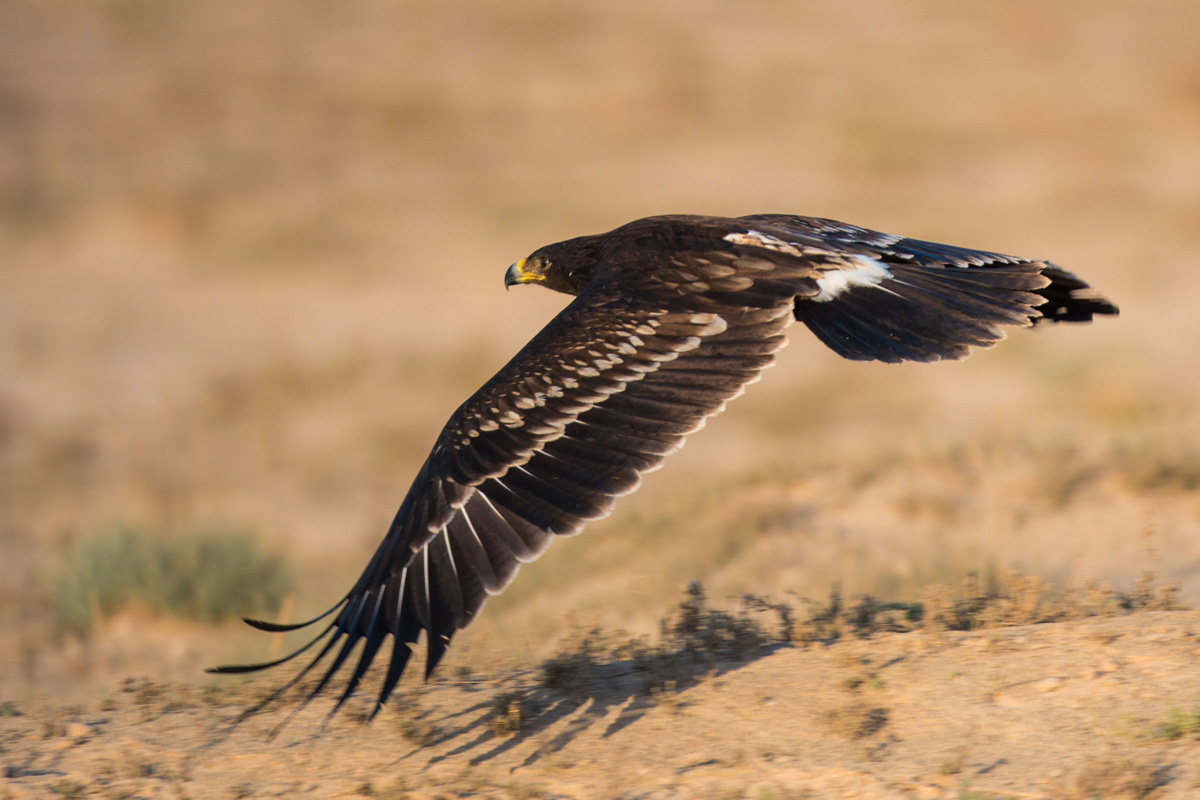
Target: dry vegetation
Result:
[[252, 258]]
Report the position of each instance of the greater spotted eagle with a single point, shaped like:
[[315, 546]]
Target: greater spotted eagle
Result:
[[672, 317]]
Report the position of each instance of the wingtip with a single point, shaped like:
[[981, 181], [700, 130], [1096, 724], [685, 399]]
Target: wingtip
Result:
[[241, 669], [435, 649], [279, 627], [275, 627]]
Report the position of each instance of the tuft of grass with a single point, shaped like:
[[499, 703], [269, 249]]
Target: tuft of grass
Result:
[[835, 619], [1179, 725], [506, 714], [1150, 595], [1117, 779], [708, 634], [1014, 599], [205, 575], [856, 719], [69, 789], [967, 793]]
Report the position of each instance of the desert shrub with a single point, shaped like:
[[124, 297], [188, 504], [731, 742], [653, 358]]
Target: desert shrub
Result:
[[856, 720], [1011, 598], [506, 714], [1117, 779], [206, 575], [1179, 725], [708, 634], [832, 620]]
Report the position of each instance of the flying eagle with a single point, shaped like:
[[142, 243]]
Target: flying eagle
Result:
[[673, 316]]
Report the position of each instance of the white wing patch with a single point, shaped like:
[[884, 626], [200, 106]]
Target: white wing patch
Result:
[[869, 272], [759, 239]]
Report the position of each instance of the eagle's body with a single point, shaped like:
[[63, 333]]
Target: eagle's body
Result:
[[672, 317]]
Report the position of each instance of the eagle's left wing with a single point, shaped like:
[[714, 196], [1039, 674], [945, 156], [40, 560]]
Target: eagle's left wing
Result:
[[601, 395]]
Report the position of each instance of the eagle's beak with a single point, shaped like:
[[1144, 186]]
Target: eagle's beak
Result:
[[518, 273], [514, 274]]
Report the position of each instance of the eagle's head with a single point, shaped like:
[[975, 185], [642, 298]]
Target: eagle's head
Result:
[[564, 267]]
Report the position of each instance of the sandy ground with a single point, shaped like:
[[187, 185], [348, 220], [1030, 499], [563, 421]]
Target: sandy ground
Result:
[[1082, 709]]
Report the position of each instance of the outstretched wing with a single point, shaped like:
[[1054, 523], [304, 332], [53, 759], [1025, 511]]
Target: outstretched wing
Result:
[[601, 395]]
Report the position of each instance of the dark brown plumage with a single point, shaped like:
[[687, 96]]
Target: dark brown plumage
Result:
[[673, 317]]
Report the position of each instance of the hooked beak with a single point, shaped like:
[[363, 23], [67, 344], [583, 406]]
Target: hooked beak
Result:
[[517, 273]]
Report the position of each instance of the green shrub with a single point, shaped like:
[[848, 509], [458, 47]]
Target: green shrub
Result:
[[206, 575]]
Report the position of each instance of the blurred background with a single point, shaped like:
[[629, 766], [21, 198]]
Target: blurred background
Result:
[[251, 259]]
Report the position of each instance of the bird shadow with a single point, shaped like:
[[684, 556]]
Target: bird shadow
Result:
[[602, 677], [528, 712]]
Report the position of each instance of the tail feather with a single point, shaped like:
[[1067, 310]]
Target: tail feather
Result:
[[1070, 299]]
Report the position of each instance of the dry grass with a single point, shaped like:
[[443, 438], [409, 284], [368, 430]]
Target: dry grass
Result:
[[507, 714], [1179, 725], [856, 719], [1117, 778]]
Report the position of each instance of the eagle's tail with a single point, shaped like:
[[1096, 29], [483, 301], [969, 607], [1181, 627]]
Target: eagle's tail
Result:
[[906, 310], [1067, 298]]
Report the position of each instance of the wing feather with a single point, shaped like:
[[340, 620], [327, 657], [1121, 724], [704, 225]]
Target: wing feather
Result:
[[541, 449]]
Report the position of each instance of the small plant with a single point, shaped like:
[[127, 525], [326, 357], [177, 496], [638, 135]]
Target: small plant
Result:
[[835, 619], [967, 793], [1118, 779], [1150, 595], [1014, 599], [69, 789], [709, 634], [506, 714], [1179, 725], [856, 720], [207, 575]]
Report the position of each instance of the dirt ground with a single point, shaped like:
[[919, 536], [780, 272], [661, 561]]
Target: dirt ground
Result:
[[1092, 708], [251, 258]]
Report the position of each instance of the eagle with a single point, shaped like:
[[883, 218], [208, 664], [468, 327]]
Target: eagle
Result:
[[672, 317]]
